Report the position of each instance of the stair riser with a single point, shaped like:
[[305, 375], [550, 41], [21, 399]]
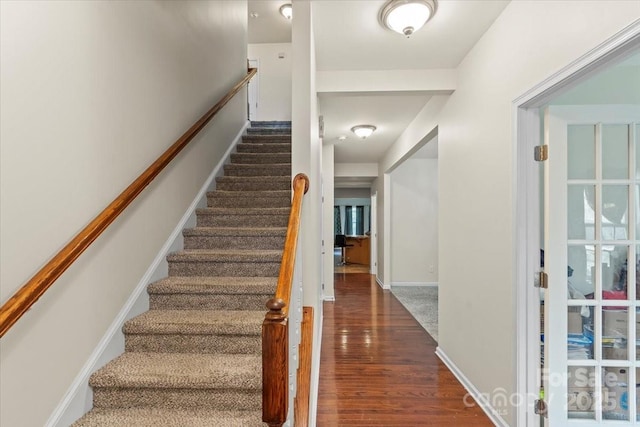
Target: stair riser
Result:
[[243, 185], [266, 139], [242, 220], [179, 343], [260, 158], [227, 268], [248, 202], [264, 148], [269, 131], [208, 301], [234, 242], [270, 123], [244, 170], [176, 398]]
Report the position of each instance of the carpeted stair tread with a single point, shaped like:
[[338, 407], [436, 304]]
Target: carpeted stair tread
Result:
[[181, 371], [243, 211], [266, 139], [234, 238], [239, 194], [235, 231], [157, 417], [269, 131], [196, 322], [218, 285], [274, 123], [270, 169], [260, 158], [253, 183], [249, 199], [272, 147], [209, 255]]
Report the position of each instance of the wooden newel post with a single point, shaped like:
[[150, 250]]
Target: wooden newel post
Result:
[[275, 366]]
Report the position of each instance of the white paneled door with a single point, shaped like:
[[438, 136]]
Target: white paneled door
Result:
[[592, 253]]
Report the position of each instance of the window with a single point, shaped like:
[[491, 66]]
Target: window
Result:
[[354, 220]]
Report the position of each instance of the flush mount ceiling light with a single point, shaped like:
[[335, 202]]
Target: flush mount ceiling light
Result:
[[363, 131], [407, 16], [286, 10]]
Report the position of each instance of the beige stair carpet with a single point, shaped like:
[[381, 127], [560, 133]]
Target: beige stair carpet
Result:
[[194, 359]]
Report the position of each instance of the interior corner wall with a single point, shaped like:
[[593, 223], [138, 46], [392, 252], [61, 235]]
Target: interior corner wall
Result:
[[414, 222], [274, 75], [527, 43], [92, 93]]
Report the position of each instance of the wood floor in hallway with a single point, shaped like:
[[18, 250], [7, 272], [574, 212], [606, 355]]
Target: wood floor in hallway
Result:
[[378, 365]]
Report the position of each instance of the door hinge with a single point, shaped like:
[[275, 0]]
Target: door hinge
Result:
[[540, 407], [542, 280], [541, 153]]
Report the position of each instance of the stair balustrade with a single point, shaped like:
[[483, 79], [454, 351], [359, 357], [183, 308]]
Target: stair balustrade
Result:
[[281, 329]]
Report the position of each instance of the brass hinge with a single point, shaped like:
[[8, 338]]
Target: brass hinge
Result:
[[543, 280], [540, 407], [541, 153]]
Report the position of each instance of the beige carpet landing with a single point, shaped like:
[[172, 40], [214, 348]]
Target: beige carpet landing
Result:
[[194, 359]]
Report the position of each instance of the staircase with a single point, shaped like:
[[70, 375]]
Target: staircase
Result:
[[194, 359]]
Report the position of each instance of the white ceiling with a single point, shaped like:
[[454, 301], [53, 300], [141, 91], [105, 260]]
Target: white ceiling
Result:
[[269, 26], [348, 36], [390, 113]]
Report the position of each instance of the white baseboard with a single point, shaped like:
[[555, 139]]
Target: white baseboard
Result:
[[381, 283], [79, 397], [479, 398], [425, 284], [329, 298]]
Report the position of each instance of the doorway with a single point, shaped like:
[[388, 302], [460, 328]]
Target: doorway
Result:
[[576, 318], [253, 91]]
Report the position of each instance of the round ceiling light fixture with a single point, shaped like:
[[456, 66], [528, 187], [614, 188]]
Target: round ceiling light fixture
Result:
[[407, 16], [286, 10], [363, 131]]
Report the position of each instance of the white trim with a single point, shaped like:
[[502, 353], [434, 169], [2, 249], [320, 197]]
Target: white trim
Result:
[[527, 244], [78, 398], [617, 46], [315, 374], [526, 133], [481, 400], [423, 284], [386, 230], [381, 283], [328, 298]]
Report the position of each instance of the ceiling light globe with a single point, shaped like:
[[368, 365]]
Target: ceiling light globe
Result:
[[407, 16], [286, 10], [363, 131]]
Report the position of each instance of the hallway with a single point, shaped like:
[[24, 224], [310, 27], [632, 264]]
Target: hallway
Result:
[[379, 368]]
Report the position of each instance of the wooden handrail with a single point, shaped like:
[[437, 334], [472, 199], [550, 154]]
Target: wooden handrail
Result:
[[275, 337], [28, 294]]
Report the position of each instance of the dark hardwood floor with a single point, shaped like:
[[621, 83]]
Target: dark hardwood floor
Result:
[[378, 365]]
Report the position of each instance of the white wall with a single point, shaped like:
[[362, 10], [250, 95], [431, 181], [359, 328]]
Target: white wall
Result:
[[528, 42], [274, 74], [352, 193], [92, 93], [327, 220], [306, 157], [414, 222]]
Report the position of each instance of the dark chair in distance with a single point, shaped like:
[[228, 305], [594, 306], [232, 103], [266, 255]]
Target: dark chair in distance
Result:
[[341, 242]]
